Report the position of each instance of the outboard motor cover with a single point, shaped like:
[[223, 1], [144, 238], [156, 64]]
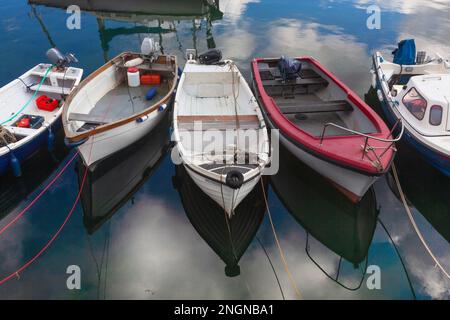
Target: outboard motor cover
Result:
[[59, 60], [210, 57], [289, 68]]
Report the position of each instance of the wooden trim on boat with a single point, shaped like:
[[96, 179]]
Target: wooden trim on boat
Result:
[[102, 128], [218, 118]]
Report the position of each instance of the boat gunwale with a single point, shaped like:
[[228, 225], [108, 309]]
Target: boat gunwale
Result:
[[73, 138], [311, 143]]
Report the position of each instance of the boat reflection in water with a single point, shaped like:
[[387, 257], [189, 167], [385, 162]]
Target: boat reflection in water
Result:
[[342, 226], [228, 237], [425, 188], [111, 182], [149, 17], [14, 190]]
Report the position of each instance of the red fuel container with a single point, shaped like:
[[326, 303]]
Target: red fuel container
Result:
[[46, 103], [151, 79]]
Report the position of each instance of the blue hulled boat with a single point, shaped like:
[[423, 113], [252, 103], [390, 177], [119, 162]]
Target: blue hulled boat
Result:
[[31, 108], [415, 88]]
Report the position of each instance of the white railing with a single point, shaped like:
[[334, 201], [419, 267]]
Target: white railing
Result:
[[368, 137]]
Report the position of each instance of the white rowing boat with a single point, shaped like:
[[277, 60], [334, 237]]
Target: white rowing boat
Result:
[[220, 132], [106, 112]]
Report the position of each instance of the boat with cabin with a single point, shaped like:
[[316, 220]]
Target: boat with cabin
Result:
[[415, 87]]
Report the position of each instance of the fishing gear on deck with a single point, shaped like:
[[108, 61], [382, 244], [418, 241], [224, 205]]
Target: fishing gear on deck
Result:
[[6, 137]]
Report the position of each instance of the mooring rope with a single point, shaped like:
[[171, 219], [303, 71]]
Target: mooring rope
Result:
[[72, 209], [53, 238], [51, 183], [280, 249], [413, 222], [399, 257], [271, 265]]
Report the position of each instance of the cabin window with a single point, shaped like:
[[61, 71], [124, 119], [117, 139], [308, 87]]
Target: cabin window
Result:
[[436, 115], [415, 103]]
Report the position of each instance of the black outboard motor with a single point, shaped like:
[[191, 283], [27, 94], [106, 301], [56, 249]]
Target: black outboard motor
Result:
[[212, 56], [59, 60], [289, 68]]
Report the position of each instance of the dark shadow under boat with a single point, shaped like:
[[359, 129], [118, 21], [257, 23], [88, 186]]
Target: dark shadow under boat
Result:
[[344, 227], [229, 238], [113, 181], [35, 171], [426, 188]]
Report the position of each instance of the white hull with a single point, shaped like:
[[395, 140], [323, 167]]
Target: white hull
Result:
[[214, 103], [102, 145], [223, 195], [353, 182]]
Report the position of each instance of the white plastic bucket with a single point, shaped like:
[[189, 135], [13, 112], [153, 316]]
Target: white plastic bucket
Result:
[[133, 77]]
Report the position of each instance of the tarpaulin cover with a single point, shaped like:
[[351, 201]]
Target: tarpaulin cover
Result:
[[406, 52]]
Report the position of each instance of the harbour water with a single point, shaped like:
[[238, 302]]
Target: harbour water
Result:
[[140, 230]]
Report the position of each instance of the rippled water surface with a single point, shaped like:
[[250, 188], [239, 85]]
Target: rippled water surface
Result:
[[142, 231]]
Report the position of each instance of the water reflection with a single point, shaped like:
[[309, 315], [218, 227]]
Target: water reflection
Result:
[[345, 228], [229, 238], [149, 18], [14, 190], [112, 182], [156, 249]]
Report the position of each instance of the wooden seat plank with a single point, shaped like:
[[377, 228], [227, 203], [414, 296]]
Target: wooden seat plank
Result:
[[313, 107], [73, 116]]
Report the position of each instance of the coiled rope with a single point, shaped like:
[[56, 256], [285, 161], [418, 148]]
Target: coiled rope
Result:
[[413, 222], [6, 136], [280, 249]]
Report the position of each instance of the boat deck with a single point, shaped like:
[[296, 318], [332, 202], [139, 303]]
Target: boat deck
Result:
[[301, 102], [121, 102]]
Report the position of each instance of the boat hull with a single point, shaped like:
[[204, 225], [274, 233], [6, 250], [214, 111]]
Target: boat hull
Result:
[[352, 184], [26, 151], [229, 199], [104, 144], [431, 156]]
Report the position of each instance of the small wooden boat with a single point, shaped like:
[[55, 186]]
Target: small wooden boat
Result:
[[30, 112], [416, 89], [323, 123], [215, 102], [228, 237], [105, 113]]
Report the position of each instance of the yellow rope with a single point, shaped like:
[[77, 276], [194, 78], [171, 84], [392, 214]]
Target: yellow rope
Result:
[[413, 222], [283, 257]]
